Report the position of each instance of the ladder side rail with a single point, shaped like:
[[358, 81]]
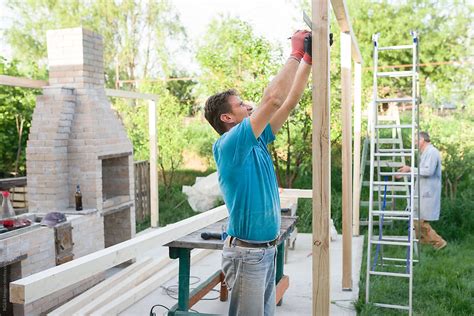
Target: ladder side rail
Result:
[[414, 138], [371, 177]]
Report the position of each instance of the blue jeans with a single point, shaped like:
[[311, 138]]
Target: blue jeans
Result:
[[250, 275]]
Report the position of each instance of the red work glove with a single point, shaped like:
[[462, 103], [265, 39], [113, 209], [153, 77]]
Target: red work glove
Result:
[[308, 50], [297, 44]]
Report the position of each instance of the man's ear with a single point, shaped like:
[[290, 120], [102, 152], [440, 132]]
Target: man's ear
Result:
[[227, 118]]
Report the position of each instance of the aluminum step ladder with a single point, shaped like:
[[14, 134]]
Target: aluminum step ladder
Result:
[[387, 155], [395, 142]]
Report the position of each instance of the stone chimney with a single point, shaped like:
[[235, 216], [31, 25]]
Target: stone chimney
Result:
[[75, 136]]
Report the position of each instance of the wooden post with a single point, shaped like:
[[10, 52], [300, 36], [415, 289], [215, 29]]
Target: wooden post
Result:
[[321, 158], [346, 106], [154, 206], [357, 127]]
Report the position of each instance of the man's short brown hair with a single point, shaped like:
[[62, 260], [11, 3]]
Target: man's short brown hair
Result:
[[217, 105]]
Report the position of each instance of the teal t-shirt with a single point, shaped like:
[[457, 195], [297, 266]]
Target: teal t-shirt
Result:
[[248, 182]]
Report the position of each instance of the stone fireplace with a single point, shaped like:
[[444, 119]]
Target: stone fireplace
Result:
[[75, 138]]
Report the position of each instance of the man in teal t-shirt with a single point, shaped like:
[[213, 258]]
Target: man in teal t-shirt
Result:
[[248, 181]]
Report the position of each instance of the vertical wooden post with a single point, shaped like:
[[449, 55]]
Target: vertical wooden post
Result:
[[154, 207], [321, 158], [346, 106], [357, 140]]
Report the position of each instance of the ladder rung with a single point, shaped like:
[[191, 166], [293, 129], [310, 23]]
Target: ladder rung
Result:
[[396, 74], [397, 259], [366, 203], [391, 164], [406, 308], [392, 218], [392, 154], [397, 150], [391, 274], [366, 222], [398, 196], [389, 141], [398, 47], [396, 238], [390, 243], [397, 100], [391, 213], [390, 188], [380, 126], [392, 183], [403, 174], [386, 118]]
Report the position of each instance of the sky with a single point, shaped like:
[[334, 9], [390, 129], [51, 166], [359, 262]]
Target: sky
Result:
[[274, 19]]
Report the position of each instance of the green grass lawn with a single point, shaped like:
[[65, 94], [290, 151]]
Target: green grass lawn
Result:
[[444, 280], [443, 283]]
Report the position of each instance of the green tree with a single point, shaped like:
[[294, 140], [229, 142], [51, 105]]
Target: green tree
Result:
[[137, 34], [171, 135], [450, 134], [16, 110], [232, 56], [139, 37]]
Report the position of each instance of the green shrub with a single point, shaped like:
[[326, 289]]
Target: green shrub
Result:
[[200, 136], [456, 219]]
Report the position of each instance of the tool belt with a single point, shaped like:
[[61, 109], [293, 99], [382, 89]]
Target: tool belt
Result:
[[240, 243]]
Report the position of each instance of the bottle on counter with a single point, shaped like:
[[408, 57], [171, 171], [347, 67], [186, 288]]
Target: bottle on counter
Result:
[[78, 198], [7, 208]]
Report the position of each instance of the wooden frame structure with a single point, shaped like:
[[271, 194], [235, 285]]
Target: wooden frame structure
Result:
[[46, 282], [322, 147], [152, 130], [38, 285]]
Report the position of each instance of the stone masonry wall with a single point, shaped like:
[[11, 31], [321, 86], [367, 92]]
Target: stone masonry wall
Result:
[[46, 152]]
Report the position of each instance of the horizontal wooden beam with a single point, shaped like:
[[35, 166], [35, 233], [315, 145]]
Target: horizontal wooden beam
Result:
[[130, 297], [41, 284], [342, 16], [22, 82], [91, 295], [8, 183], [130, 94], [296, 193]]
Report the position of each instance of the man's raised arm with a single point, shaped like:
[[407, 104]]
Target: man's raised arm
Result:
[[278, 89], [297, 89]]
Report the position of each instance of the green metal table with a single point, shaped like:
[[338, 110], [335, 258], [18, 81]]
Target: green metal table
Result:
[[181, 249]]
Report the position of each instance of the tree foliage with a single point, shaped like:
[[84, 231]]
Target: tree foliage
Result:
[[232, 56], [450, 134], [137, 34], [16, 110], [171, 135]]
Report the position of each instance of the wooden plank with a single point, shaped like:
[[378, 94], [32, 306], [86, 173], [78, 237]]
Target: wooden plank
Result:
[[152, 130], [91, 295], [321, 153], [129, 94], [206, 287], [22, 82], [343, 19], [281, 287], [41, 284], [296, 193], [346, 111], [8, 183], [357, 141], [127, 283], [132, 296]]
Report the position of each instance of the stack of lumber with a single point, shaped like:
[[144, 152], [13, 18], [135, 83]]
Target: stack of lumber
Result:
[[126, 287]]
